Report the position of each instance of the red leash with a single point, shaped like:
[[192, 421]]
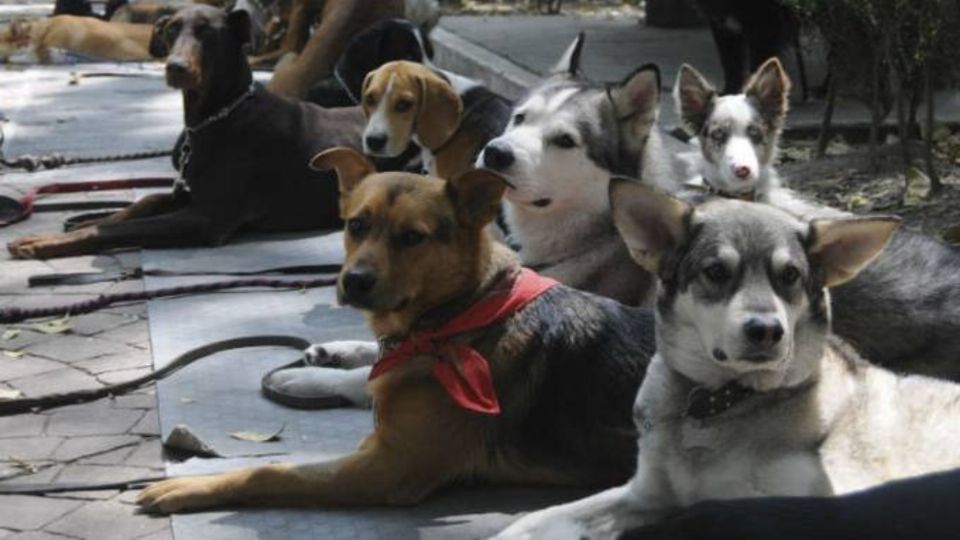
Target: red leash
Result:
[[12, 211]]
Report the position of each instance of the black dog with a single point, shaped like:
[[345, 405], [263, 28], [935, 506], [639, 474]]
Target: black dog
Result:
[[920, 507], [748, 33], [243, 156]]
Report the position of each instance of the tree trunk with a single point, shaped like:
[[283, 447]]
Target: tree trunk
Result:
[[875, 113], [673, 14], [823, 139], [935, 184]]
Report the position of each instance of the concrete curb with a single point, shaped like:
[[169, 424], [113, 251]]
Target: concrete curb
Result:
[[471, 60]]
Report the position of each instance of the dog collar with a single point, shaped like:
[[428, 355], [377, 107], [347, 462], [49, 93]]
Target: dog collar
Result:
[[702, 403], [180, 184], [749, 196], [462, 371]]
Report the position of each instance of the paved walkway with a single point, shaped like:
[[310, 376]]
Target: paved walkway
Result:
[[614, 47]]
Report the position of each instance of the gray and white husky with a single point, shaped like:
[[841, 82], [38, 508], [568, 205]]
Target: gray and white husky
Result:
[[902, 311], [749, 394], [564, 140]]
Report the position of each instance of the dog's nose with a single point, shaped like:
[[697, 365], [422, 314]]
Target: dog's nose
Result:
[[498, 156], [763, 331], [741, 171], [375, 143], [176, 68], [359, 282]]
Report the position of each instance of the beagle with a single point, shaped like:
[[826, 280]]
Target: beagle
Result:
[[450, 117]]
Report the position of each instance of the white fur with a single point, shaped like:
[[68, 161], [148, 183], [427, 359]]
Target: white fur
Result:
[[379, 125]]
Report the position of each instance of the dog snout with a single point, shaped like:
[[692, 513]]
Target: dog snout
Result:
[[498, 156], [179, 74], [741, 171], [763, 331], [358, 283], [375, 142]]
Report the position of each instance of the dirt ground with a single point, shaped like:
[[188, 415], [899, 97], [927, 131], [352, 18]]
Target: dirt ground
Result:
[[846, 179]]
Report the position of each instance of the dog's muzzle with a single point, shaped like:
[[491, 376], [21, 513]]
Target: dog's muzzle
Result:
[[498, 156]]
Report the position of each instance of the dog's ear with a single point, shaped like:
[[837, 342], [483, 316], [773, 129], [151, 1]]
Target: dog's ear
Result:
[[239, 23], [439, 114], [651, 222], [159, 48], [569, 62], [843, 247], [476, 195], [351, 166], [769, 87], [693, 97], [636, 101]]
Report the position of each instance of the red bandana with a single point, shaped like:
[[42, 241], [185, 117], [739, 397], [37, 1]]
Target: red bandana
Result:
[[464, 372]]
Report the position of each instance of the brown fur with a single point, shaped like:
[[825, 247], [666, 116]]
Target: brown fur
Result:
[[422, 440], [86, 36], [310, 57], [434, 119]]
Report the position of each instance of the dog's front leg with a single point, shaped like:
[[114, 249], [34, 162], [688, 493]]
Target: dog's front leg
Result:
[[151, 205], [599, 516], [377, 474]]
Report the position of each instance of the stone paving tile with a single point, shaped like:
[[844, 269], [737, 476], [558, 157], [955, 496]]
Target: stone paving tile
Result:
[[130, 359], [148, 425], [123, 375], [65, 379], [68, 348], [146, 400], [11, 369], [111, 457], [30, 513], [93, 419], [24, 338], [147, 454], [94, 323], [79, 447], [36, 535], [132, 334], [108, 520], [29, 448], [21, 425], [104, 473]]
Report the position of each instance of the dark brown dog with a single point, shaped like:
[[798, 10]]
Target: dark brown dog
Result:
[[246, 166]]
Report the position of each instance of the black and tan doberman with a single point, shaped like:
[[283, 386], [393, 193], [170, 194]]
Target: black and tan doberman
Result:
[[243, 155]]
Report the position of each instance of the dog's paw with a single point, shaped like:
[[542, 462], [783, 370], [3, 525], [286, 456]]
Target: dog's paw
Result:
[[184, 494], [52, 245], [349, 354], [318, 382]]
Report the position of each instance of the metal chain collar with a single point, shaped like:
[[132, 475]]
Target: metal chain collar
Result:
[[188, 131]]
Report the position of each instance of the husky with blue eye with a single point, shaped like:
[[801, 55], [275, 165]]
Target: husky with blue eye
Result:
[[749, 394]]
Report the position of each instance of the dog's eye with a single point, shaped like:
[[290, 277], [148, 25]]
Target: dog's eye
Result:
[[717, 273], [403, 105], [789, 275], [563, 141], [755, 134], [411, 238], [519, 118], [356, 226], [719, 136], [370, 100]]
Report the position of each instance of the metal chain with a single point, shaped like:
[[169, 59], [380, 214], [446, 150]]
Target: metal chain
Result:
[[32, 163]]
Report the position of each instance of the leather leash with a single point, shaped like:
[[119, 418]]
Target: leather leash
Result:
[[17, 211], [49, 401], [86, 278], [10, 315]]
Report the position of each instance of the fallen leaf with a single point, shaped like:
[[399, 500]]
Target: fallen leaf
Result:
[[187, 401], [918, 187], [859, 201], [16, 355], [55, 326], [25, 466], [258, 437], [10, 334], [951, 234], [7, 395]]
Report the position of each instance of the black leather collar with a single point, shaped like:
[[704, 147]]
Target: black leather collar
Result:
[[703, 402]]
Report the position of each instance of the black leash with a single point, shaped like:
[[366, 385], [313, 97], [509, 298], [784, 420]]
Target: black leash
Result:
[[49, 401], [86, 278], [10, 315]]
